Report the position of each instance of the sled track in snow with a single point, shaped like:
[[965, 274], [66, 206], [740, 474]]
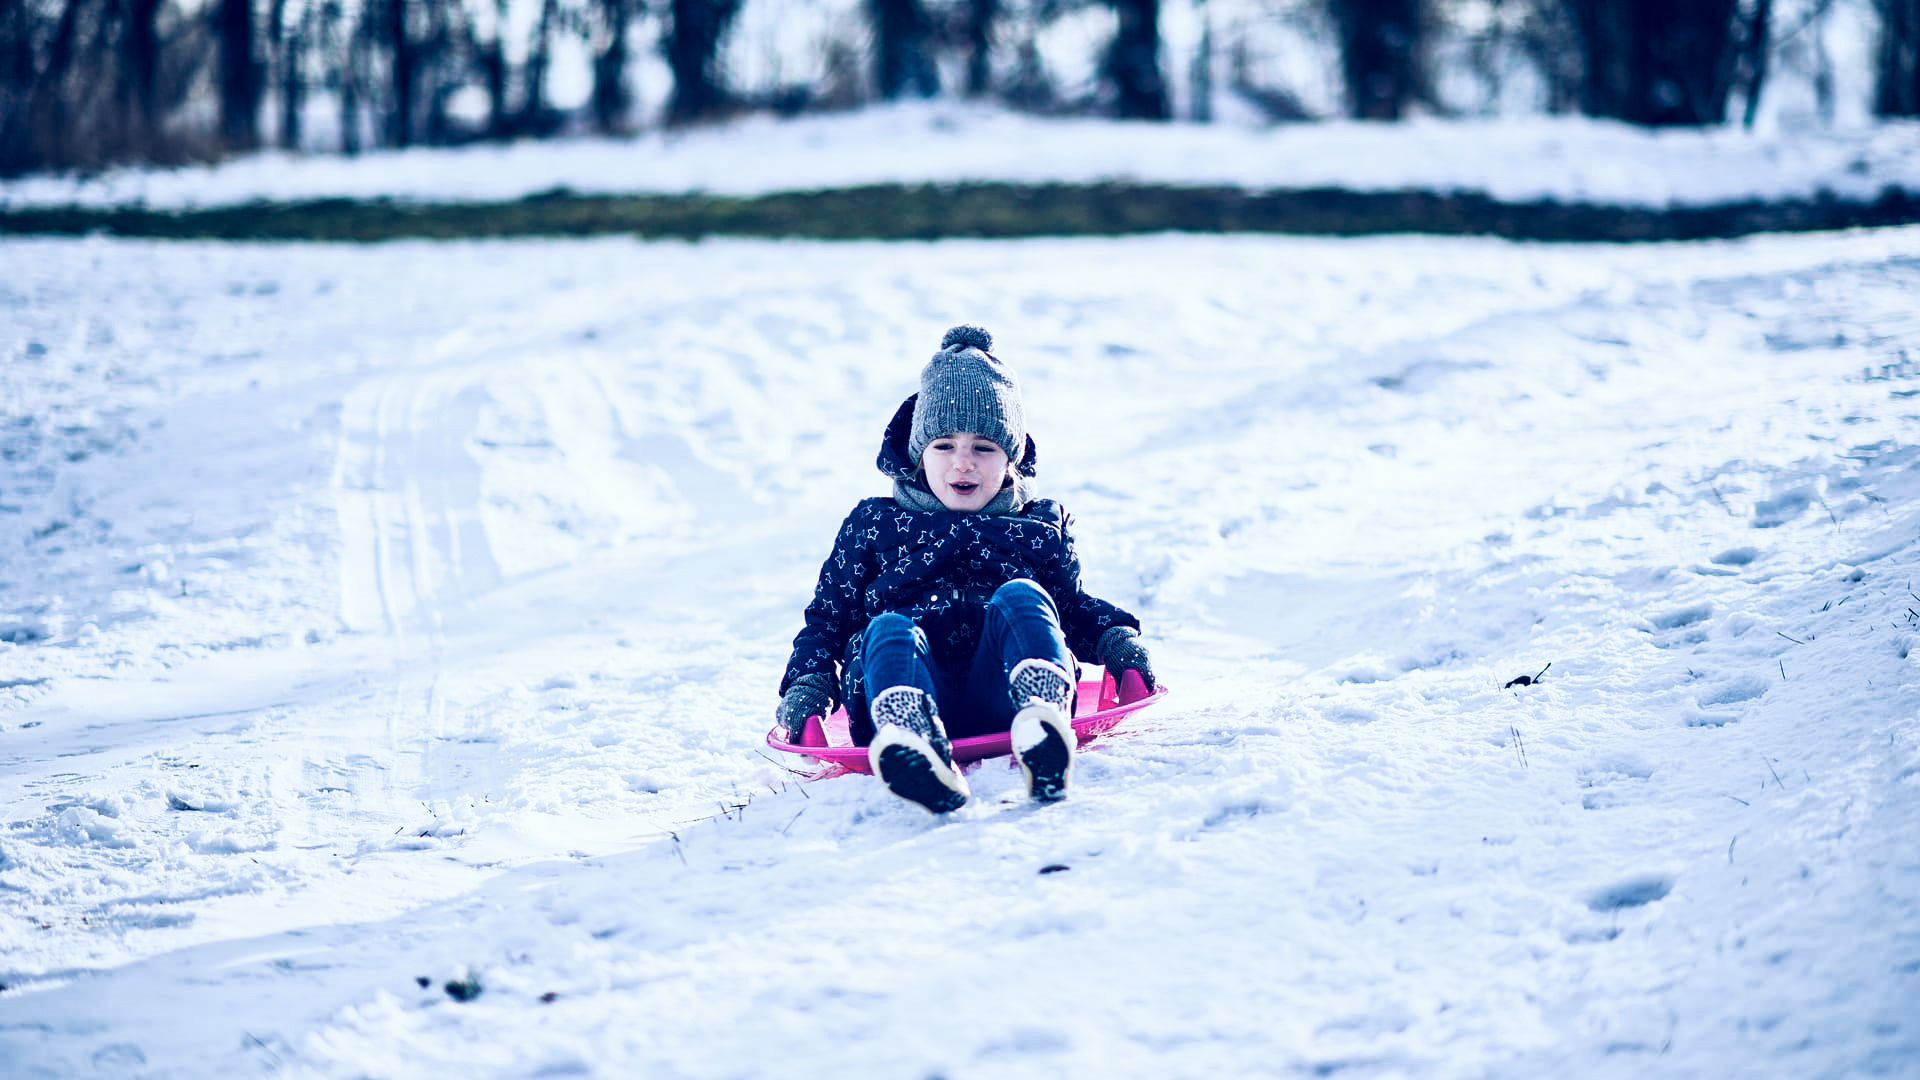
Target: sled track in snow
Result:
[[985, 210]]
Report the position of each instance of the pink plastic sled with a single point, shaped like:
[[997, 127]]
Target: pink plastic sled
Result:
[[1101, 706]]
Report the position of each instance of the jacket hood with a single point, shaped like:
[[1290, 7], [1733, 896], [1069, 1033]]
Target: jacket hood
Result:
[[897, 463]]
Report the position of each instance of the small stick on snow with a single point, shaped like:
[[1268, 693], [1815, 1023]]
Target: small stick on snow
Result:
[[1829, 510], [1519, 745], [1776, 775], [1737, 799], [1716, 498], [801, 773], [781, 765], [796, 817], [255, 1040], [1791, 638], [1783, 671], [1730, 844]]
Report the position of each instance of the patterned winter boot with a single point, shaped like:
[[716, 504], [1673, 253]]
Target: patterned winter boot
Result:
[[910, 753], [1043, 738]]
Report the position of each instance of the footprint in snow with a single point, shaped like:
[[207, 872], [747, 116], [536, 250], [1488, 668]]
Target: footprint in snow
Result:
[[1633, 892]]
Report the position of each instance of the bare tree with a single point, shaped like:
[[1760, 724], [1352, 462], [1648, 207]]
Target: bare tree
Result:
[[1755, 31], [276, 56], [1132, 63], [35, 120], [18, 70], [404, 68], [610, 96], [1897, 89], [140, 51], [491, 57], [1655, 62], [536, 117], [350, 46], [977, 29], [692, 47], [87, 83], [902, 42], [446, 65], [1380, 55], [239, 75], [292, 72]]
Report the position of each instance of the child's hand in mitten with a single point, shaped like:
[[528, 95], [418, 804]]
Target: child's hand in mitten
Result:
[[1120, 650], [808, 695]]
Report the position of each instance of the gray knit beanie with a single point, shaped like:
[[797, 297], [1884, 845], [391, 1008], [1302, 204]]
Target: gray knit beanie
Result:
[[966, 388]]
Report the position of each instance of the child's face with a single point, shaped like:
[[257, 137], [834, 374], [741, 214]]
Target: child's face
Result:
[[964, 471]]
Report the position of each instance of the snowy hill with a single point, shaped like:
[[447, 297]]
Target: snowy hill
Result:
[[378, 619]]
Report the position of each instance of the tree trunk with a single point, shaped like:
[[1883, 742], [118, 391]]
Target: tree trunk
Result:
[[980, 18], [406, 72], [533, 106], [1759, 40], [1380, 55], [493, 73], [610, 98], [140, 52], [438, 67], [692, 47], [1202, 76], [1897, 92], [293, 83], [903, 63], [239, 75], [48, 136], [1656, 62], [16, 47], [1133, 61], [276, 58], [352, 73], [16, 82]]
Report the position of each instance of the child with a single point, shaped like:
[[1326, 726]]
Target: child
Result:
[[954, 608]]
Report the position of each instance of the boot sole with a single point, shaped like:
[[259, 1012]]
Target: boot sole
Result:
[[1044, 749], [908, 766]]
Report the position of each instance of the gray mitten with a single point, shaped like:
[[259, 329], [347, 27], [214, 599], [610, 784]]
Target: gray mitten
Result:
[[1120, 650], [808, 695]]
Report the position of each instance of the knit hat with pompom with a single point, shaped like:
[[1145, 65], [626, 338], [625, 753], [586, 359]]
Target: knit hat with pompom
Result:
[[966, 388]]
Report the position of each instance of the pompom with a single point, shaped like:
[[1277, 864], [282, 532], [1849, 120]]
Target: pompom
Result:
[[971, 336]]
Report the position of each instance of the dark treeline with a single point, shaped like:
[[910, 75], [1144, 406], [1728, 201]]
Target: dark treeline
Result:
[[88, 83]]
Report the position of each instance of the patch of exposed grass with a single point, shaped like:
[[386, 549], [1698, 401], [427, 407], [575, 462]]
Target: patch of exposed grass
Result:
[[926, 212]]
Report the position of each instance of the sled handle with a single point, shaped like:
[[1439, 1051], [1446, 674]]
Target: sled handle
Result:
[[814, 733], [1129, 689]]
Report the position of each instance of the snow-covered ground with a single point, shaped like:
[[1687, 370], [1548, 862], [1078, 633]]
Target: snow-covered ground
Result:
[[1562, 158], [387, 617]]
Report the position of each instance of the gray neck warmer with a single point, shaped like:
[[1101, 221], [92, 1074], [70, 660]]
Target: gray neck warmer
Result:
[[912, 493]]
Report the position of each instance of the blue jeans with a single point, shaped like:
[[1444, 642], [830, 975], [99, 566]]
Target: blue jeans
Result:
[[1021, 623]]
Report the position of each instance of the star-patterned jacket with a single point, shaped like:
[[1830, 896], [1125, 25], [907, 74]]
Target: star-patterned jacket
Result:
[[940, 568]]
